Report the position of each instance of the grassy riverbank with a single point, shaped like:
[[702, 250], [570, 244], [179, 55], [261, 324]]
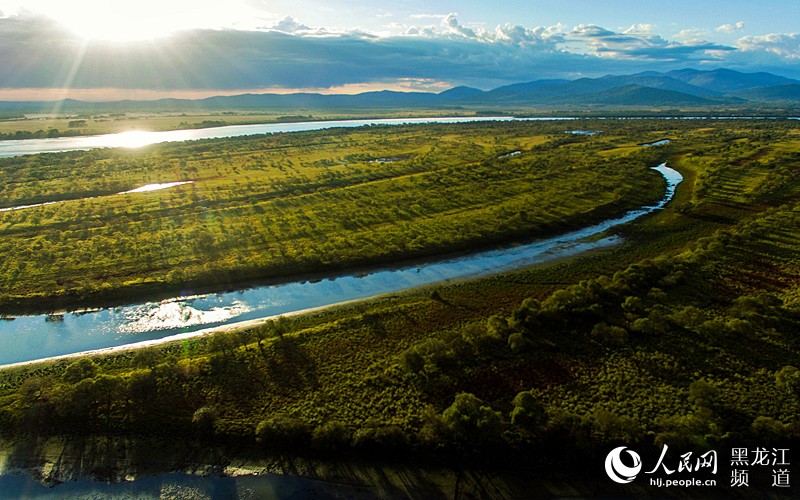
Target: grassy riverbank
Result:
[[686, 335]]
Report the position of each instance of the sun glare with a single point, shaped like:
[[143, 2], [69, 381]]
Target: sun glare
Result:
[[117, 22], [140, 20]]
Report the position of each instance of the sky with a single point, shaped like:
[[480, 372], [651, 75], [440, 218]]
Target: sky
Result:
[[148, 49]]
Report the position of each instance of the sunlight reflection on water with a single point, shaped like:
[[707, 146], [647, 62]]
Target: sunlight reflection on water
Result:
[[172, 314], [156, 187]]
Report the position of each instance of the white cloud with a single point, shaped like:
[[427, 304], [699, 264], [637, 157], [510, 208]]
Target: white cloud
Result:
[[519, 35], [503, 34], [690, 35], [452, 25], [429, 16], [640, 43], [786, 45], [731, 28], [641, 29], [591, 30], [290, 25]]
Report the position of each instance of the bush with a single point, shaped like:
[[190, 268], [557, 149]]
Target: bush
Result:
[[518, 342], [767, 430], [528, 412], [203, 421], [282, 431], [610, 335], [378, 439], [330, 436], [470, 420], [82, 369]]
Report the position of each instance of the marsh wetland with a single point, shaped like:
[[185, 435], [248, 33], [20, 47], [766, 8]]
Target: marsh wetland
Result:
[[684, 330]]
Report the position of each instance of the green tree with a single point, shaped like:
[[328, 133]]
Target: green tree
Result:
[[788, 379], [82, 369], [472, 421], [528, 412]]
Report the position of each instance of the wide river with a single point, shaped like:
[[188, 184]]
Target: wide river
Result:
[[135, 138], [27, 338]]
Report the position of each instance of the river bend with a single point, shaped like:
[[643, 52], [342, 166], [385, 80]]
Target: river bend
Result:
[[28, 338]]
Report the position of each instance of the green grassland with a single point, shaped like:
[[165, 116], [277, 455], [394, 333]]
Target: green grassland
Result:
[[687, 334], [270, 207]]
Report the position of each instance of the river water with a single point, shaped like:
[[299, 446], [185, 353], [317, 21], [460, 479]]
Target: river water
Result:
[[136, 139], [27, 338]]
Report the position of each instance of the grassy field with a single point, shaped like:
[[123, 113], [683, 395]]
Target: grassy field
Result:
[[686, 335]]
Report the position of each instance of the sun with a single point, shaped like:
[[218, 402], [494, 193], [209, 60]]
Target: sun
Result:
[[118, 21]]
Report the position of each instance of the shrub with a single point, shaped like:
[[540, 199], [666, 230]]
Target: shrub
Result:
[[82, 369], [282, 431], [203, 421], [377, 439], [330, 436]]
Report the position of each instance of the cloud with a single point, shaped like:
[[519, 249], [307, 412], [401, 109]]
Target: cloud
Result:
[[450, 27], [429, 16], [690, 35], [639, 43], [702, 52], [290, 25], [539, 36], [591, 31], [731, 28], [453, 26], [640, 29], [785, 45]]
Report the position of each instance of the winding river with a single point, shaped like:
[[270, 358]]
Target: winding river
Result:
[[27, 338], [35, 337]]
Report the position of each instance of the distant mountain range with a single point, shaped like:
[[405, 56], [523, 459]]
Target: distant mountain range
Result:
[[684, 88]]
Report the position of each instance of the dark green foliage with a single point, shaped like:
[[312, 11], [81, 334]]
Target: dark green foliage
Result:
[[788, 380], [203, 421], [528, 412], [380, 439], [330, 437], [79, 370], [470, 421], [282, 431]]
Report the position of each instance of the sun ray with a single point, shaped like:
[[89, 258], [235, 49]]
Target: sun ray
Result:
[[75, 66]]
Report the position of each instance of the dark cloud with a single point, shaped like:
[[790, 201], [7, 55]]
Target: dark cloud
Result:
[[670, 52]]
